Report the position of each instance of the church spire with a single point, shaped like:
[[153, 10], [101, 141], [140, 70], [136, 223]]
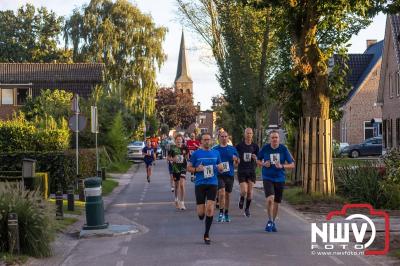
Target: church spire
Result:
[[183, 81]]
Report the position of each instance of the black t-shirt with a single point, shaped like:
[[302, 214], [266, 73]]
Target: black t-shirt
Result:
[[245, 151]]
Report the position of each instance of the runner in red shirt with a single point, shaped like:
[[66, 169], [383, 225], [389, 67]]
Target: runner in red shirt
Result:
[[192, 144]]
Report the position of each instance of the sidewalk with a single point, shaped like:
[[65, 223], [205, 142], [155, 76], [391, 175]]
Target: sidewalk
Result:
[[65, 242]]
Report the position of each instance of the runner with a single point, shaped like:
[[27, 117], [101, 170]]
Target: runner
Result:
[[274, 159], [205, 163], [229, 158], [192, 145], [169, 142], [149, 158], [247, 169], [178, 156]]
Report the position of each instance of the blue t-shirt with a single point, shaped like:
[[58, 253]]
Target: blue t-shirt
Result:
[[227, 154], [148, 154], [281, 154], [210, 158]]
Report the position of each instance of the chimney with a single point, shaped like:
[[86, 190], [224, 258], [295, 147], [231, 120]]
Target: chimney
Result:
[[371, 42]]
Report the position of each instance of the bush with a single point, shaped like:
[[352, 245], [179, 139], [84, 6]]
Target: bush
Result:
[[391, 193], [392, 165], [117, 140], [35, 219], [360, 183]]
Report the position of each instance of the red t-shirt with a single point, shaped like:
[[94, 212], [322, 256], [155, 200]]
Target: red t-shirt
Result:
[[192, 145]]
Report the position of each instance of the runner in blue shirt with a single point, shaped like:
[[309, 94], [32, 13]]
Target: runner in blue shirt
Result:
[[205, 163], [274, 159], [149, 158], [230, 160]]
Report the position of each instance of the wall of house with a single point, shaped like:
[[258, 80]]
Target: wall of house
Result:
[[391, 105], [360, 108]]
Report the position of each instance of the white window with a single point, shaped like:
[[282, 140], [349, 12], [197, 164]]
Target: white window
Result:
[[368, 130], [7, 96]]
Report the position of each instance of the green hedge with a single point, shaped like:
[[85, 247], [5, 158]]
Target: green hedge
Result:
[[60, 166]]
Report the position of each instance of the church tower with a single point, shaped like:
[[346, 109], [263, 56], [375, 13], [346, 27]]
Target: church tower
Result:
[[183, 81]]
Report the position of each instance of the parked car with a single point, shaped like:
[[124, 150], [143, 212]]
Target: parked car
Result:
[[369, 147], [135, 150], [343, 145]]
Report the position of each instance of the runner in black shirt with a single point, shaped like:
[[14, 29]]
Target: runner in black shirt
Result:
[[248, 152]]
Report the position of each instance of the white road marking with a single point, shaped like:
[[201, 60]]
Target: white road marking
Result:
[[128, 238], [225, 245], [148, 203], [337, 260], [124, 251], [136, 214], [259, 205], [365, 261], [120, 263]]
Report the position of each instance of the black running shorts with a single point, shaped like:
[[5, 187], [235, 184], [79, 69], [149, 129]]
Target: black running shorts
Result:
[[273, 188], [205, 192], [178, 176], [225, 182], [247, 176]]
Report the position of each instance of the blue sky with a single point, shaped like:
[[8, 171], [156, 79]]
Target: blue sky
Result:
[[202, 69]]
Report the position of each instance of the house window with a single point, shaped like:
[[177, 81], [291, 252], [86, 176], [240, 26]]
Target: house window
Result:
[[398, 132], [344, 132], [368, 130], [391, 85], [7, 96], [377, 129], [203, 130], [384, 137], [22, 95], [201, 121], [398, 84]]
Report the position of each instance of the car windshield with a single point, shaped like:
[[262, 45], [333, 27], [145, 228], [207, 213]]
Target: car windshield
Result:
[[136, 143]]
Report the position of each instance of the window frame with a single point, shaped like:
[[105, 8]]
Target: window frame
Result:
[[371, 128], [2, 94]]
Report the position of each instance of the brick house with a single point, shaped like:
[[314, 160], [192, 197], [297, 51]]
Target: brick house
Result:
[[389, 88], [362, 118], [20, 80]]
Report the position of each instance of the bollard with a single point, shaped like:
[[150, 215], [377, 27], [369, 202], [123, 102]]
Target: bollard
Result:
[[94, 205], [71, 199], [59, 204], [81, 188], [13, 233], [103, 173], [99, 173]]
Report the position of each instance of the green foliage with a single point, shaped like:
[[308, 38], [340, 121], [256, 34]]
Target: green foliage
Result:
[[108, 186], [30, 35], [54, 103], [335, 149], [392, 164], [21, 135], [35, 219], [119, 167], [391, 194], [127, 41], [116, 139]]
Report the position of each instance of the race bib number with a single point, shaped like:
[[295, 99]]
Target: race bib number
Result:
[[274, 158], [149, 152], [208, 171], [247, 157], [179, 159], [225, 166]]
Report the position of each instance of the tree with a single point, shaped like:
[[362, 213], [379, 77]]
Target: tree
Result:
[[175, 109], [243, 44], [127, 41], [31, 35], [318, 29], [116, 139]]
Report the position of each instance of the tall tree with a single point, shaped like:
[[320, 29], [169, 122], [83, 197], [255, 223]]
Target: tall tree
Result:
[[31, 35], [241, 40], [175, 109], [318, 29], [127, 41]]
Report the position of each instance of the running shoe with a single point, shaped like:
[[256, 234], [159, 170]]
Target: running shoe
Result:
[[247, 213], [148, 179], [227, 218], [241, 202], [183, 206], [177, 204], [207, 240], [268, 226], [273, 228], [221, 218], [172, 189]]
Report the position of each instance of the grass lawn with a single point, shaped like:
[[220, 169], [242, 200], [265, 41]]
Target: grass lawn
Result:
[[296, 196], [62, 224], [395, 253], [108, 186], [10, 259], [119, 167]]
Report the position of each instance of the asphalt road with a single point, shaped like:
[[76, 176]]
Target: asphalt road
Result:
[[171, 237]]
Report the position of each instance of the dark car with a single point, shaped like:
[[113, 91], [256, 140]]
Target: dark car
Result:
[[369, 147]]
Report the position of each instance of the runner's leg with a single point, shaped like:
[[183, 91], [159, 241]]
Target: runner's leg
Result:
[[182, 191]]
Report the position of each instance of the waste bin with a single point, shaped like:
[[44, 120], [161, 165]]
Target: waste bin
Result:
[[94, 204]]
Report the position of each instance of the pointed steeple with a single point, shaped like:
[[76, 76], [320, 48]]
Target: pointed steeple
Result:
[[183, 81]]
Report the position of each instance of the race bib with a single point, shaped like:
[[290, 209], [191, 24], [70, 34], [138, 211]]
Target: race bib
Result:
[[247, 157], [208, 171], [149, 152], [179, 159], [274, 158], [225, 166]]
